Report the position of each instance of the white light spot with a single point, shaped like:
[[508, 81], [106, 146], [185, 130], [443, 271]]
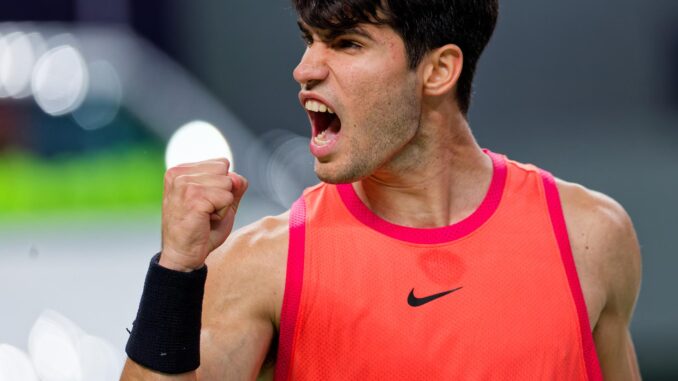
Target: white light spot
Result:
[[4, 57], [104, 97], [52, 345], [99, 359], [15, 365], [18, 56], [197, 141], [60, 80]]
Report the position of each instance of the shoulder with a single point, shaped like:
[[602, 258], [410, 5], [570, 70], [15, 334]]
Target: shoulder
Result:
[[604, 246], [598, 220], [586, 206], [251, 265], [261, 238]]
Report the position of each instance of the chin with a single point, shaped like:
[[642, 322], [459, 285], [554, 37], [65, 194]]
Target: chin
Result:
[[335, 174], [334, 179]]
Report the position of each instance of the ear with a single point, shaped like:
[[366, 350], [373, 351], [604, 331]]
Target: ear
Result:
[[442, 70]]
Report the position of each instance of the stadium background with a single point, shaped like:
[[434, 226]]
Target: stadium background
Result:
[[587, 90]]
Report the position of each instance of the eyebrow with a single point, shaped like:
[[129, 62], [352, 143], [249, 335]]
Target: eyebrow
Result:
[[328, 35]]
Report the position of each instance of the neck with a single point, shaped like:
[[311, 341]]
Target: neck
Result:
[[440, 178]]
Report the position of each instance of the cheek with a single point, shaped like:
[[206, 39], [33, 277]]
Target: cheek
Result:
[[396, 53], [367, 86], [362, 78]]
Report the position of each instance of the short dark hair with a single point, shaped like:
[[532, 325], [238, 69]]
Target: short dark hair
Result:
[[423, 25]]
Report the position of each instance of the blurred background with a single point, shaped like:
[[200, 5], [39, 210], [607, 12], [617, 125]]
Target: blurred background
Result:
[[92, 92]]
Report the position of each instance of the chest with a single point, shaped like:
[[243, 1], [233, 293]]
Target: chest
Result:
[[473, 309]]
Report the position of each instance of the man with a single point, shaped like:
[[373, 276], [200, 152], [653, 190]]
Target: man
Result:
[[419, 256]]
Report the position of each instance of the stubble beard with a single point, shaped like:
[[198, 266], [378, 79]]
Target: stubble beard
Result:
[[385, 134]]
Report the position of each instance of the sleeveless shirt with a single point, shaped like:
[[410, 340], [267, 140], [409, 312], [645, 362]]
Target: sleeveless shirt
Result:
[[493, 297]]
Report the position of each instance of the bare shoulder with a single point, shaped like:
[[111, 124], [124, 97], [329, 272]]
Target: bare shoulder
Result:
[[605, 249], [265, 237], [251, 265]]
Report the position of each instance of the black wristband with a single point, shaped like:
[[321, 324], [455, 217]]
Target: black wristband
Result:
[[165, 336]]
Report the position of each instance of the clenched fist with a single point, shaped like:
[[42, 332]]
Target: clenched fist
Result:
[[198, 209]]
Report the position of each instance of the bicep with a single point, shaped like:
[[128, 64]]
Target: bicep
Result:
[[234, 349], [237, 320]]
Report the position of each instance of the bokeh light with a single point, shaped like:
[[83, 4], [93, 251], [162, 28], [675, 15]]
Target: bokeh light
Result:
[[4, 56], [19, 53], [15, 365], [53, 348], [104, 97], [197, 141], [289, 169], [60, 80], [99, 359]]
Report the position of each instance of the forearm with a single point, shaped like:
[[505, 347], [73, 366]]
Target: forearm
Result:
[[199, 205], [136, 372]]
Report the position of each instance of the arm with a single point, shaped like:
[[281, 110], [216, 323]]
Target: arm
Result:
[[241, 307], [238, 312], [243, 299], [622, 276], [608, 261]]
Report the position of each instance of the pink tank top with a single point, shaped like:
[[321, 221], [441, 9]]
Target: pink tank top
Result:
[[493, 297]]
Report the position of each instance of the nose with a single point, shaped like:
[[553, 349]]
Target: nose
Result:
[[312, 69]]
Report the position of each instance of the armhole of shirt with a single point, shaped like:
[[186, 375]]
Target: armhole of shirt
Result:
[[560, 229], [292, 295]]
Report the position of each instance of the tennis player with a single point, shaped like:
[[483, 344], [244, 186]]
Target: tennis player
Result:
[[419, 255]]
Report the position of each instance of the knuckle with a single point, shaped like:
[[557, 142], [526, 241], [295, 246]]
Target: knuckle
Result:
[[178, 180], [227, 183], [227, 198], [219, 167], [224, 164], [193, 191], [183, 181], [202, 204], [170, 175], [223, 198]]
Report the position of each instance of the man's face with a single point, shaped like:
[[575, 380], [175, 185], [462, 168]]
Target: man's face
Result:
[[361, 98]]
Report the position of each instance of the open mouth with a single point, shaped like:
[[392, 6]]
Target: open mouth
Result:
[[324, 122]]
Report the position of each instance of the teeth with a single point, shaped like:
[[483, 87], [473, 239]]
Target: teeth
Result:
[[316, 106], [312, 106], [321, 136], [321, 139]]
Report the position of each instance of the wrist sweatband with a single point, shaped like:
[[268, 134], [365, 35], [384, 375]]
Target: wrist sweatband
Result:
[[165, 336]]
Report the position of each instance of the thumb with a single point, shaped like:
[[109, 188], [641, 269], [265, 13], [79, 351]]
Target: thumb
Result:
[[240, 185]]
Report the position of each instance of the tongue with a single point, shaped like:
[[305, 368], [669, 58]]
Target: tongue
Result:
[[329, 134], [325, 137]]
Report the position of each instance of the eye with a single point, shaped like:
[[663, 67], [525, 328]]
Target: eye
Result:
[[347, 44], [307, 39]]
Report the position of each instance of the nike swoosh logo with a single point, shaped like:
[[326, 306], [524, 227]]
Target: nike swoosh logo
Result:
[[416, 302]]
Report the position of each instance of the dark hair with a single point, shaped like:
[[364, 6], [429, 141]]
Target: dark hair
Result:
[[423, 25]]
